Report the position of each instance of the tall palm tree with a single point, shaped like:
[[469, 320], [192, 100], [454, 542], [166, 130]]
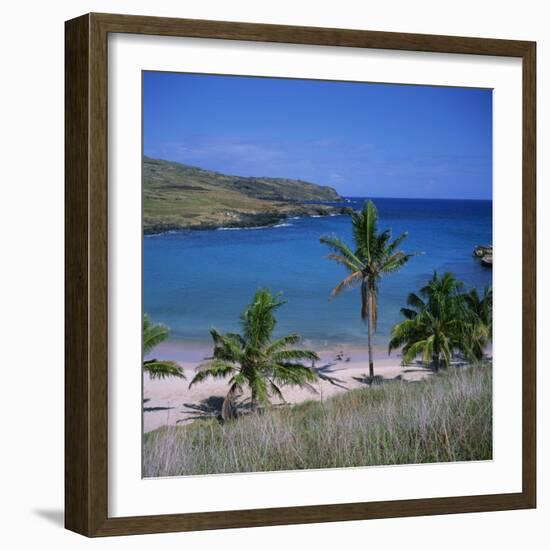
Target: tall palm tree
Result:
[[153, 335], [254, 360], [480, 321], [375, 255], [435, 323]]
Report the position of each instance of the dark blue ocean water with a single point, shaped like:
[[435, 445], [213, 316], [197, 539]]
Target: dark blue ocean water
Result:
[[194, 280]]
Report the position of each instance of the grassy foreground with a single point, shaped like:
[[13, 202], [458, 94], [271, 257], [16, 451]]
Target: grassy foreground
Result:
[[447, 417]]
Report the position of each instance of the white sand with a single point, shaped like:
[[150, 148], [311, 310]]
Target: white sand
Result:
[[171, 402]]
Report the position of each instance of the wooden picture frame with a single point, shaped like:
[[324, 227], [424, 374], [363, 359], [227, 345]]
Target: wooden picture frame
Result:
[[86, 415]]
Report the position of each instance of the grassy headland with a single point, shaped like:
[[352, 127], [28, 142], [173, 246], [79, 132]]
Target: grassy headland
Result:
[[177, 196], [447, 417]]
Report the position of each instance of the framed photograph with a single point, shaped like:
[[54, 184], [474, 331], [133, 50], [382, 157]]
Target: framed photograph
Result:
[[300, 275]]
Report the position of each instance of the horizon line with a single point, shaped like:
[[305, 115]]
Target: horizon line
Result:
[[416, 198], [145, 156]]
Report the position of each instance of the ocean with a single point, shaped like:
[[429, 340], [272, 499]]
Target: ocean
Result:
[[195, 280]]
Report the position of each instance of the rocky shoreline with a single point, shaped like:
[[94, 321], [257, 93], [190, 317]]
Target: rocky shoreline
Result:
[[248, 220], [484, 253]]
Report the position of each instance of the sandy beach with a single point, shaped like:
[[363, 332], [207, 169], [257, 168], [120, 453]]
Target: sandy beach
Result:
[[171, 402]]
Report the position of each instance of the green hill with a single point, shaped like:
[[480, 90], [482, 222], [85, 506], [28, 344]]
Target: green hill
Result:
[[178, 196]]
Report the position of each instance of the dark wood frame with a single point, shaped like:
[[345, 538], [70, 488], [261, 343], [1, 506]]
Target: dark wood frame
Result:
[[86, 274]]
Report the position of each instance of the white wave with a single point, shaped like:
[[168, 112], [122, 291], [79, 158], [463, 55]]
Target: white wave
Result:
[[254, 227], [162, 233]]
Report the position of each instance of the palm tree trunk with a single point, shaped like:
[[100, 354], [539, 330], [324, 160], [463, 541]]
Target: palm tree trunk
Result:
[[253, 402], [367, 305], [371, 361], [435, 359]]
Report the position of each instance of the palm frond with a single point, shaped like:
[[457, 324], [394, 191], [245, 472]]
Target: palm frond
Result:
[[161, 369], [349, 282], [227, 347], [343, 261], [396, 242], [342, 250], [276, 390], [401, 334], [380, 245], [414, 350], [238, 381], [258, 387], [258, 319], [395, 262], [415, 301], [292, 373], [281, 343], [294, 355], [408, 313], [212, 369], [153, 334], [365, 225]]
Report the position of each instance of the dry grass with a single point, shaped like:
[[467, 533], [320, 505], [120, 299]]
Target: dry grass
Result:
[[447, 417]]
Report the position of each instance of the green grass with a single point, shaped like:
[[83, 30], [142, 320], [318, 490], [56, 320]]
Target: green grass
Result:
[[445, 418], [177, 196]]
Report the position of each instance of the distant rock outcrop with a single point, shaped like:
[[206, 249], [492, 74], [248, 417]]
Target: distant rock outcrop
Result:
[[484, 254]]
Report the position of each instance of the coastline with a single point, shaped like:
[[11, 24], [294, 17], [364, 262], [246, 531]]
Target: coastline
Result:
[[170, 402], [178, 197], [255, 220]]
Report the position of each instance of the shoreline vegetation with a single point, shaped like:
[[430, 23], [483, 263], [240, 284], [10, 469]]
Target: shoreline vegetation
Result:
[[264, 403], [179, 197], [447, 418]]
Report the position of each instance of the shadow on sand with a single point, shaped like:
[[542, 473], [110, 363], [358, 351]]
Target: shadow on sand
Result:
[[154, 409], [325, 373], [377, 379], [211, 407]]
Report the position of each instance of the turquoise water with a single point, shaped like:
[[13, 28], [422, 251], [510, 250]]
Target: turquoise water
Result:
[[194, 280]]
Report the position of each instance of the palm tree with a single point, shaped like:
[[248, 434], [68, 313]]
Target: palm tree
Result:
[[154, 334], [480, 321], [435, 323], [254, 360], [375, 255]]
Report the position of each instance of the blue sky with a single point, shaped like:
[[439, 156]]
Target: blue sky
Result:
[[378, 140]]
